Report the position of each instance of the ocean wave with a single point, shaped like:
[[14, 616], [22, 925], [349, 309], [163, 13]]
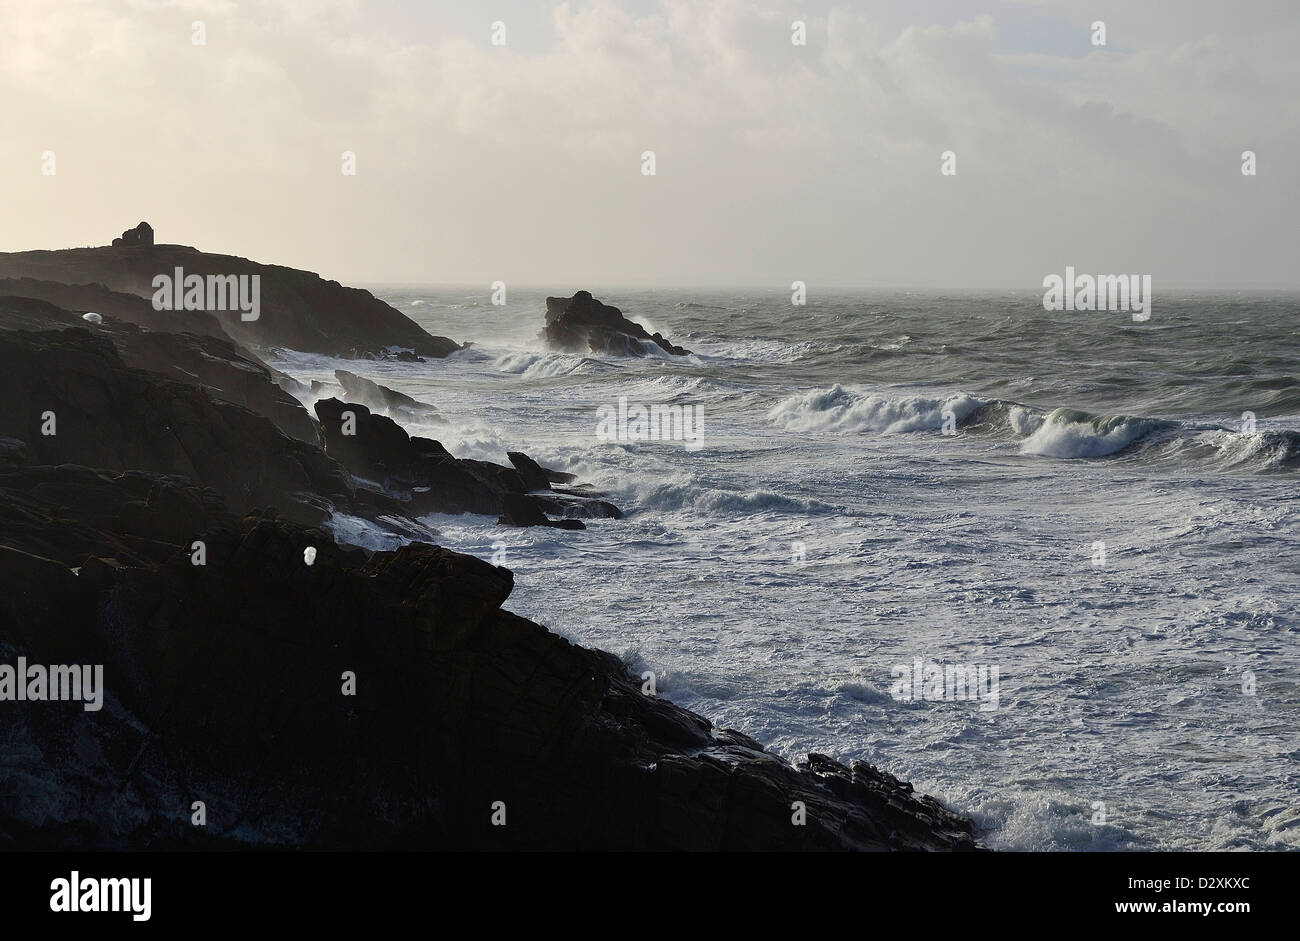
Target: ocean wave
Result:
[[1051, 820], [543, 365], [675, 388], [849, 409], [693, 305], [1065, 433], [714, 348], [1068, 432], [1270, 450], [1072, 433], [1276, 449], [469, 354], [863, 691], [671, 496]]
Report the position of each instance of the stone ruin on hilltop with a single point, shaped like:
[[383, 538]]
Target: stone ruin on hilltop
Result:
[[140, 235]]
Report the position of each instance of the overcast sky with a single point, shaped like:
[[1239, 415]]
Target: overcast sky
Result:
[[775, 162]]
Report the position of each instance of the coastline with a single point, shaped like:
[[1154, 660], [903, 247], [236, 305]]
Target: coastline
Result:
[[223, 677]]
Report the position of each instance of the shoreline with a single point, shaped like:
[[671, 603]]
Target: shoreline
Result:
[[219, 668]]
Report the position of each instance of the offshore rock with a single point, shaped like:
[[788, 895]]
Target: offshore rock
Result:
[[581, 323]]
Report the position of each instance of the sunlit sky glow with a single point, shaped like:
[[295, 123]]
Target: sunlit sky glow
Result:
[[775, 162]]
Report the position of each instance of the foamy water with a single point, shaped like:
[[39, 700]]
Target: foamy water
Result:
[[828, 531]]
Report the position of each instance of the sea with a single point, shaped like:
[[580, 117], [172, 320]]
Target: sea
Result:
[[1092, 519]]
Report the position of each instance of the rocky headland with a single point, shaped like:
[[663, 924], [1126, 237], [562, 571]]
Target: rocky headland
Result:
[[161, 492], [299, 310]]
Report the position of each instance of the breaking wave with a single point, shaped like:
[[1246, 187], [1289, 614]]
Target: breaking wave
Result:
[[1063, 433], [847, 409]]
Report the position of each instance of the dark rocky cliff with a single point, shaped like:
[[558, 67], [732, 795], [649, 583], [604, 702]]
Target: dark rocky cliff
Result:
[[299, 309], [225, 680]]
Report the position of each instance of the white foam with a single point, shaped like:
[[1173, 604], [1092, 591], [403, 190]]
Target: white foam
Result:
[[850, 409], [356, 531], [1024, 421], [540, 365], [689, 495], [1070, 434]]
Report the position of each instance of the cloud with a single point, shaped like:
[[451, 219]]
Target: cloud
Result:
[[775, 161]]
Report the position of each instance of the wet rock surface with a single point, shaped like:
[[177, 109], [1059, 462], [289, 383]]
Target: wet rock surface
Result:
[[381, 398], [581, 324], [426, 478], [299, 310], [112, 305], [73, 400], [227, 667], [224, 684]]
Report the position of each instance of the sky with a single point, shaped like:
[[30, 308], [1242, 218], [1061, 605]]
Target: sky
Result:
[[774, 162]]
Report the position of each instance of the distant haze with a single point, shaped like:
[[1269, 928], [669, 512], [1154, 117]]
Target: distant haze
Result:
[[775, 162]]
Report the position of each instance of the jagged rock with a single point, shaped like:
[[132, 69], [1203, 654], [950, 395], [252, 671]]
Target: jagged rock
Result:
[[574, 504], [374, 447], [530, 471], [19, 310], [376, 397], [204, 358], [12, 452], [218, 366], [427, 478], [582, 323], [419, 471], [561, 502], [110, 416], [223, 681], [521, 510], [535, 476], [299, 309], [289, 384], [70, 512], [112, 305]]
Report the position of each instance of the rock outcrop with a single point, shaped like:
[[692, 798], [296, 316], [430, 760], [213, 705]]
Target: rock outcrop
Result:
[[381, 398], [519, 509], [427, 478], [212, 362], [73, 400], [581, 323], [155, 522], [535, 476], [299, 309], [113, 305], [226, 682]]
